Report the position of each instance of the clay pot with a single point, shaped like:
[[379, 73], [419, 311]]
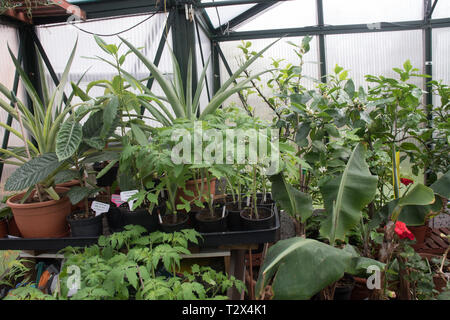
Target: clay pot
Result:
[[420, 233], [192, 186], [3, 228], [41, 219], [68, 184], [360, 290]]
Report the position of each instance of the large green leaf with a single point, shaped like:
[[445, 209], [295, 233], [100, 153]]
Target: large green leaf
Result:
[[68, 139], [300, 268], [77, 193], [420, 195], [345, 196], [293, 201], [109, 116], [412, 209], [34, 171], [442, 186]]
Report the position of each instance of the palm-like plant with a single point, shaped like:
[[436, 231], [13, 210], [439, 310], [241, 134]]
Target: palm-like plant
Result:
[[49, 131], [186, 103], [42, 122]]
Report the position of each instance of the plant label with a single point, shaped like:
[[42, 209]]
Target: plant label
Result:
[[248, 201], [159, 217], [99, 207], [223, 211], [125, 195], [115, 198]]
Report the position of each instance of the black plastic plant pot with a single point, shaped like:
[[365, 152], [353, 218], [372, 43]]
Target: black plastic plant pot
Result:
[[234, 216], [108, 178], [344, 291], [115, 219], [91, 227], [168, 226], [207, 224], [264, 220], [140, 217]]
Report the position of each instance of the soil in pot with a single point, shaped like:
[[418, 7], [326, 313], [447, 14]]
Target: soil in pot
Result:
[[45, 219], [206, 223], [85, 224], [264, 220], [344, 288], [172, 223], [3, 228]]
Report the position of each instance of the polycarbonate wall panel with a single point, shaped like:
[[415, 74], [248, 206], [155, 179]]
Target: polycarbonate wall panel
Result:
[[442, 9], [58, 41], [370, 11], [374, 53], [9, 37], [281, 50], [441, 49], [288, 14]]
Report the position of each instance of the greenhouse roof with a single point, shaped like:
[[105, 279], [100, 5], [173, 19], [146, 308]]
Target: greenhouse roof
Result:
[[226, 20]]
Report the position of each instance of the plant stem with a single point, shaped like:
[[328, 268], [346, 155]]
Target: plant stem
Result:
[[255, 206]]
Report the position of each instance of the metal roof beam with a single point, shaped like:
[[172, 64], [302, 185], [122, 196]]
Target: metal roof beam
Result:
[[250, 14], [335, 29]]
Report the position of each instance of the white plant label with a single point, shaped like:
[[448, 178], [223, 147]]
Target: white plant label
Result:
[[223, 211], [99, 207], [159, 217], [125, 195], [248, 201]]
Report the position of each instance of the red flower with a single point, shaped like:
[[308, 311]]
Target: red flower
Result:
[[402, 231], [406, 181]]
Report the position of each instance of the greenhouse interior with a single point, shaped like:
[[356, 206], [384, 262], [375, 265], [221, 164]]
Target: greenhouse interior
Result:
[[225, 150]]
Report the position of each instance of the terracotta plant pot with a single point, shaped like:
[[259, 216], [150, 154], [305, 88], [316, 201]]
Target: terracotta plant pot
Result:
[[192, 186], [3, 228], [68, 184], [420, 233], [360, 290], [41, 219]]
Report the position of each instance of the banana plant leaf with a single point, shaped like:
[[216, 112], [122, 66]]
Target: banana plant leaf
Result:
[[298, 268], [296, 203], [346, 195]]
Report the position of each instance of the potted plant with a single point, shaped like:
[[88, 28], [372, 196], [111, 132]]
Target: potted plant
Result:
[[42, 209], [213, 218], [255, 217]]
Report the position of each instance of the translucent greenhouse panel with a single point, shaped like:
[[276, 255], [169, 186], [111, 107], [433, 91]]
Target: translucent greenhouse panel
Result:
[[441, 48], [289, 14], [204, 51], [9, 37], [442, 10], [221, 15], [280, 51], [369, 11], [58, 41], [374, 53]]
